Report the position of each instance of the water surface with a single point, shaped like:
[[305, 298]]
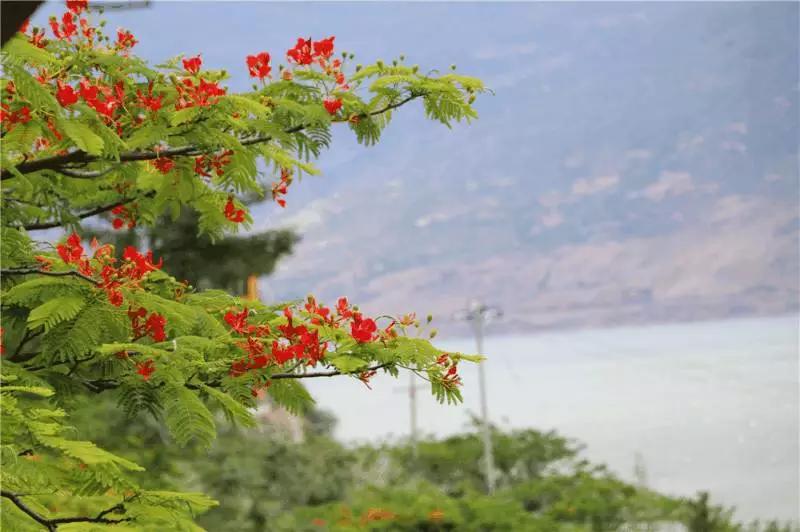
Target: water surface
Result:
[[710, 405]]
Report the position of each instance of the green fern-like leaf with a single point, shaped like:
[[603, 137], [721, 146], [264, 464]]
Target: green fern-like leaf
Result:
[[187, 417], [55, 311]]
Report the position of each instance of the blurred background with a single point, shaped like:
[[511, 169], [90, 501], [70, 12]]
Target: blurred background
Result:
[[628, 199]]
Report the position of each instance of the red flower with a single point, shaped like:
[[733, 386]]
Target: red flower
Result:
[[232, 213], [363, 330], [155, 326], [322, 314], [112, 99], [148, 101], [238, 368], [192, 64], [123, 215], [238, 322], [343, 308], [164, 164], [77, 6], [203, 95], [52, 127], [88, 91], [145, 369], [24, 27], [140, 265], [209, 88], [125, 39], [87, 30], [114, 297], [65, 94], [332, 105], [284, 354], [46, 263], [324, 48], [37, 38], [301, 53], [200, 166], [12, 117], [72, 251], [258, 65], [67, 29]]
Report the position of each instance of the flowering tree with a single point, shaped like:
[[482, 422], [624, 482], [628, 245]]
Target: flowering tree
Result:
[[89, 129]]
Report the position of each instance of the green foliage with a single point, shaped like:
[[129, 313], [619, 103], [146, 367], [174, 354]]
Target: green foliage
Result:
[[60, 478], [103, 326]]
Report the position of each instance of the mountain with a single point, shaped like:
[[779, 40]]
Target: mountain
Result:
[[637, 162]]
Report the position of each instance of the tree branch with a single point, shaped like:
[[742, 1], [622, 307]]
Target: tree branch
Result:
[[57, 162], [13, 497], [30, 271], [93, 212], [52, 524], [324, 373], [102, 385], [79, 174], [14, 14]]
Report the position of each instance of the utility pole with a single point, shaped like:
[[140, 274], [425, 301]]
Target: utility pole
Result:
[[479, 314], [412, 400]]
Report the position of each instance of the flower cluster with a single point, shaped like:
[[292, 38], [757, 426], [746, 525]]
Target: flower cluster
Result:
[[307, 52], [8, 118], [163, 164], [144, 325], [123, 216], [204, 164], [451, 378], [232, 213], [125, 40], [112, 275], [280, 188], [145, 369], [66, 29], [298, 337], [148, 101], [200, 93], [258, 65], [133, 268]]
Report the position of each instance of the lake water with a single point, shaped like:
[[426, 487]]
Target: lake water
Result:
[[711, 406]]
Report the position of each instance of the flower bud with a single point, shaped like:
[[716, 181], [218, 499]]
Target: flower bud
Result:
[[429, 318], [433, 334]]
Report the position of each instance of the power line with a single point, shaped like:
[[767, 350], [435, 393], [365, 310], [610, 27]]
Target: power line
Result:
[[479, 314]]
